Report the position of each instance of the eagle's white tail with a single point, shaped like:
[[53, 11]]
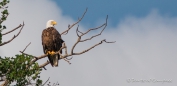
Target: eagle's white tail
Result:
[[55, 61]]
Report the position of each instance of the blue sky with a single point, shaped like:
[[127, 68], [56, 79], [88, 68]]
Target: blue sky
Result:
[[116, 9]]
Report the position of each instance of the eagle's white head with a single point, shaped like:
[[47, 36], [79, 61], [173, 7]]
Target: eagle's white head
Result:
[[51, 23]]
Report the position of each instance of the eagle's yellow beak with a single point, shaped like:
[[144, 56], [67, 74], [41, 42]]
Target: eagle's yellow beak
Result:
[[54, 22]]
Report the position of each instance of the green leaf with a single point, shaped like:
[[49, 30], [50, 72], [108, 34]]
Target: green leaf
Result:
[[4, 27]]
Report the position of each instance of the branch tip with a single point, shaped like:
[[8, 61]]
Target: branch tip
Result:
[[26, 47], [14, 35]]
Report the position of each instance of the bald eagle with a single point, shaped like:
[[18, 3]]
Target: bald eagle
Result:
[[51, 42]]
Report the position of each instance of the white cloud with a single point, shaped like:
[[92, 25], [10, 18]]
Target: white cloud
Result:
[[145, 47]]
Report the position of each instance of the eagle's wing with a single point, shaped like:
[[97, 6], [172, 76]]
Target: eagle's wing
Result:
[[57, 40], [45, 43], [44, 38]]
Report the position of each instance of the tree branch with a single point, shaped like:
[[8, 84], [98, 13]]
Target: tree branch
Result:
[[44, 64], [92, 47], [12, 30], [26, 47], [13, 36], [69, 27], [95, 29], [46, 81]]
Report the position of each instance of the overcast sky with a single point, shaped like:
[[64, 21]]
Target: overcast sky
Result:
[[145, 47]]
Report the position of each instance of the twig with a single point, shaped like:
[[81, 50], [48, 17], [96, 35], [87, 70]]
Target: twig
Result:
[[69, 27], [28, 54], [92, 47], [12, 30], [26, 47], [43, 65], [66, 60], [69, 58], [77, 31], [13, 36], [46, 81], [95, 29]]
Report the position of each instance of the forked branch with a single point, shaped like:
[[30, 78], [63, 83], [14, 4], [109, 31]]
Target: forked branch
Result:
[[12, 30], [69, 27], [14, 35]]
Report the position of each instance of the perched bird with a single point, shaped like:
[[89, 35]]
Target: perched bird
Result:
[[51, 42]]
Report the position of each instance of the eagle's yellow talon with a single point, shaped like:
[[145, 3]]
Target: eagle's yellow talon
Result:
[[48, 53], [52, 53]]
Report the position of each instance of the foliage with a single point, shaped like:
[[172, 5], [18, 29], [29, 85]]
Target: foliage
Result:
[[4, 15], [19, 69]]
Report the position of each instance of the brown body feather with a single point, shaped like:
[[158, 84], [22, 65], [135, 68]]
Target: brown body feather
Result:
[[51, 41]]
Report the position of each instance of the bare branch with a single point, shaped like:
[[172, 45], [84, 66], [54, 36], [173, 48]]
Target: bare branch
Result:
[[40, 57], [69, 58], [95, 29], [92, 47], [35, 57], [28, 54], [70, 26], [63, 47], [46, 81], [26, 47], [75, 44], [67, 55], [66, 60], [77, 31], [43, 65], [11, 30], [79, 37], [80, 32], [13, 36]]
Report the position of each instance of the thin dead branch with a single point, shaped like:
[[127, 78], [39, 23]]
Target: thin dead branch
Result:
[[95, 29], [26, 47], [43, 65], [46, 81], [69, 58], [12, 30], [92, 47], [70, 26], [13, 36]]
